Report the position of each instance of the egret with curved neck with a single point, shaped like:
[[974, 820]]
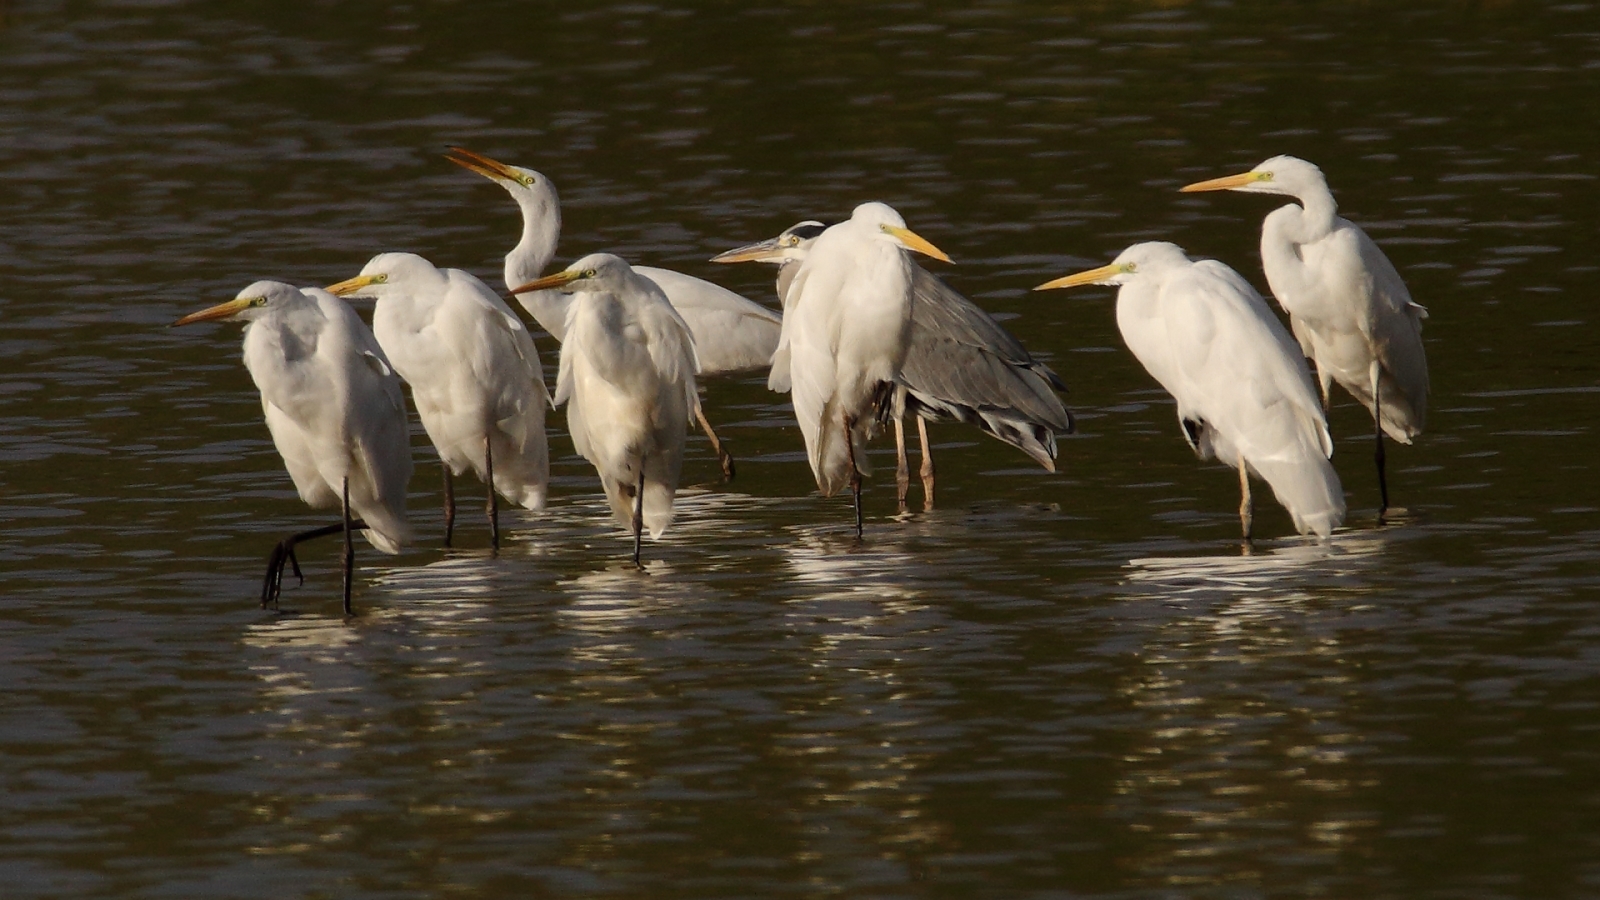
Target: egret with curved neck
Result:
[[732, 334], [1349, 308]]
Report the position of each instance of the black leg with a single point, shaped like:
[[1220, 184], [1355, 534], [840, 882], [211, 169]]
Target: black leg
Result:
[[349, 546], [855, 472], [449, 503], [283, 555], [494, 500], [638, 515], [1377, 430]]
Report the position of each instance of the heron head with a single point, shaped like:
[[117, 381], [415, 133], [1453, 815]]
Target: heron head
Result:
[[597, 272], [1283, 175], [1140, 260], [886, 224], [512, 178], [384, 274], [250, 304], [790, 246]]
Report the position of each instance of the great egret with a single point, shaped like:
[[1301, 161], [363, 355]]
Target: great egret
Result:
[[1346, 303], [846, 332], [1243, 390], [474, 374], [731, 334], [336, 413], [627, 376], [961, 364]]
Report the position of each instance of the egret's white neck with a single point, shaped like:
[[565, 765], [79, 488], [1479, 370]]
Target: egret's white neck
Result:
[[541, 229], [1315, 217]]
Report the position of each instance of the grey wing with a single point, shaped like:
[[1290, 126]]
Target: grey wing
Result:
[[964, 365]]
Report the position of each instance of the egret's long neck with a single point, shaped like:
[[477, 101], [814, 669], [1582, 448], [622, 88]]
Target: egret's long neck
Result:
[[541, 229], [1317, 214]]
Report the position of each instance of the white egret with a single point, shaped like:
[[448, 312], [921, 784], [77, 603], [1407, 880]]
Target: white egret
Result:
[[474, 374], [732, 334], [1346, 303], [1243, 390], [846, 332], [336, 413], [627, 376], [961, 364]]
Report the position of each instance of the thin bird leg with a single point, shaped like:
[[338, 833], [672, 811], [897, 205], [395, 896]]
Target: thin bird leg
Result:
[[449, 503], [902, 472], [283, 555], [723, 456], [638, 515], [1246, 510], [927, 465], [493, 504], [349, 546], [855, 473], [1377, 430]]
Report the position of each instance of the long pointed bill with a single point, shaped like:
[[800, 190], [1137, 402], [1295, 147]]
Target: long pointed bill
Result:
[[351, 285], [768, 250], [1226, 183], [1093, 276], [220, 311], [915, 242], [549, 282], [493, 170]]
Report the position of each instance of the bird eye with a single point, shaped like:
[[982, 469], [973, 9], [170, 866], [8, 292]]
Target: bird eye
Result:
[[1265, 176], [1131, 267], [380, 279], [258, 301], [791, 241], [588, 273], [527, 180]]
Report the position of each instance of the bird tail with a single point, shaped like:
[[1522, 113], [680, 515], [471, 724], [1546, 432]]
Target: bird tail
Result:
[[1308, 488], [661, 472], [522, 461]]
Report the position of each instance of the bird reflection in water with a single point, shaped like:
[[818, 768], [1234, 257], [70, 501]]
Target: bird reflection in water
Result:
[[1241, 699]]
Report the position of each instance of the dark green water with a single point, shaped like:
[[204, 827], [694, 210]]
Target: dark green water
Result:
[[1051, 686]]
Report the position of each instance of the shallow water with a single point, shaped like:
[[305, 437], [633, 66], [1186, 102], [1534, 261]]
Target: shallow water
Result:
[[1051, 685]]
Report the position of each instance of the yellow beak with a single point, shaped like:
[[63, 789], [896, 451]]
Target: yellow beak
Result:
[[220, 311], [914, 242], [548, 282], [1093, 276], [1226, 183], [351, 285], [483, 165]]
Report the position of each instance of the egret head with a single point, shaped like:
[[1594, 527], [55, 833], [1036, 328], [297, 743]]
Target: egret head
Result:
[[886, 224], [251, 303], [1284, 175], [788, 247], [1138, 261], [597, 272], [516, 179], [386, 274]]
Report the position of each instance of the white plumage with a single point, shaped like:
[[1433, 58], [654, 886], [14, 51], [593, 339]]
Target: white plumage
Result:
[[1348, 307], [960, 363], [475, 376], [627, 375], [845, 335], [731, 333], [1244, 393], [333, 405]]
